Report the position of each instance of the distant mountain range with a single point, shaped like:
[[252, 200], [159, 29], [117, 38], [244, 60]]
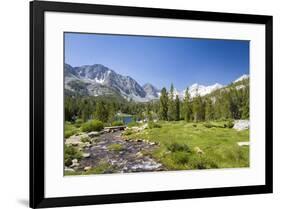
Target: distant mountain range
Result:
[[98, 80]]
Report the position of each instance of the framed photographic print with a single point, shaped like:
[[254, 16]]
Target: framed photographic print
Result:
[[135, 104]]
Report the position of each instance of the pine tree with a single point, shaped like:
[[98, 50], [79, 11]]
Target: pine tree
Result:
[[163, 109], [198, 109], [226, 106], [101, 112], [186, 106], [209, 110], [171, 105], [177, 108], [245, 106], [148, 112], [86, 110], [111, 112]]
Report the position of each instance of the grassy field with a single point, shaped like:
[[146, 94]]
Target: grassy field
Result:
[[196, 145]]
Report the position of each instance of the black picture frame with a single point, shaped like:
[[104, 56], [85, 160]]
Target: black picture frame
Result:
[[37, 196]]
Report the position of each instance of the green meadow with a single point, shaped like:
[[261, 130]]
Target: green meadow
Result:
[[186, 145]]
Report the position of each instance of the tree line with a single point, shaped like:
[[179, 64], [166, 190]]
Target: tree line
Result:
[[226, 103]]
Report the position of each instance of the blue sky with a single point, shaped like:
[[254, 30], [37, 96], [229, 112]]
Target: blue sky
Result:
[[159, 60]]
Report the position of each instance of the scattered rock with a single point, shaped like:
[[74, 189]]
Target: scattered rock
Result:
[[106, 130], [87, 144], [139, 154], [243, 144], [93, 134], [73, 140], [87, 168], [74, 161], [86, 155], [167, 152], [74, 165], [69, 169], [198, 150], [145, 165], [130, 159], [241, 125]]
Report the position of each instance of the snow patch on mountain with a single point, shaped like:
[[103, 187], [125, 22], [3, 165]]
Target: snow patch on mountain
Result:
[[151, 91], [243, 77], [196, 89], [98, 80]]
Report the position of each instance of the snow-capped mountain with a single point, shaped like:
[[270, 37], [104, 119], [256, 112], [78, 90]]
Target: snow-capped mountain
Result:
[[202, 90], [98, 80], [151, 91], [243, 77]]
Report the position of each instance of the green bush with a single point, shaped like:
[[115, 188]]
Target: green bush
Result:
[[71, 153], [93, 125], [68, 133], [69, 129], [127, 132], [208, 125], [117, 123], [176, 147], [180, 158], [153, 125], [202, 162], [132, 124], [229, 124], [85, 139], [78, 123], [102, 167], [115, 147]]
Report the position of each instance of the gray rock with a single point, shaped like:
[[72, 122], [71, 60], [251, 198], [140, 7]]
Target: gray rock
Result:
[[74, 165], [69, 169], [243, 144], [87, 144], [87, 168], [241, 125], [74, 161], [73, 140], [93, 134], [86, 155]]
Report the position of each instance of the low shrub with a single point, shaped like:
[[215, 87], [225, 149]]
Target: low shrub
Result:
[[102, 167], [132, 124], [208, 125], [177, 147], [153, 125], [201, 162], [71, 153], [117, 123], [68, 133], [78, 123], [85, 139], [229, 124], [69, 129], [115, 147], [180, 158], [127, 132], [93, 125]]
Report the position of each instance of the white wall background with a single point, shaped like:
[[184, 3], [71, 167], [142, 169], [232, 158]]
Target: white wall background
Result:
[[14, 104]]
